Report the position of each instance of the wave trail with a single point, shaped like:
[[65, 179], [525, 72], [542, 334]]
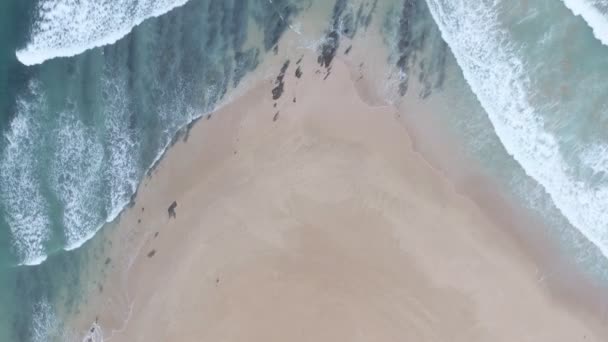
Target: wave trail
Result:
[[496, 73], [25, 208], [594, 14], [65, 28]]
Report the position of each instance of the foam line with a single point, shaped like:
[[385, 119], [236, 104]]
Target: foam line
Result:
[[66, 28], [497, 75]]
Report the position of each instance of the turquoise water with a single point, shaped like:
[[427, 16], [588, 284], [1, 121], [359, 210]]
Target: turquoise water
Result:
[[93, 92], [80, 132], [537, 72]]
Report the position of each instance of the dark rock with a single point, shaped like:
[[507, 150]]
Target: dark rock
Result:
[[299, 72], [327, 73], [348, 25], [151, 253], [344, 23], [328, 49], [405, 45], [277, 91], [275, 117], [171, 209]]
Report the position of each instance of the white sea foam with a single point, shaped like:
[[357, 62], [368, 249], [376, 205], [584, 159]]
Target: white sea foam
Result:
[[118, 171], [75, 170], [44, 322], [496, 73], [25, 208], [591, 12], [595, 157], [121, 171], [64, 28]]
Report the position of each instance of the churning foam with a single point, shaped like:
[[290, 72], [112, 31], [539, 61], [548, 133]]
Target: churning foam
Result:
[[590, 11], [44, 322], [112, 166], [121, 173], [66, 28], [497, 75], [20, 188], [75, 169]]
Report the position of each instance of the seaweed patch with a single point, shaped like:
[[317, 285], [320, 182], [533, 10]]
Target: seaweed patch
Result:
[[277, 91]]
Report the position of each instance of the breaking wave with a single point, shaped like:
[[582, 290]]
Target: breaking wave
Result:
[[65, 28], [497, 74], [594, 13]]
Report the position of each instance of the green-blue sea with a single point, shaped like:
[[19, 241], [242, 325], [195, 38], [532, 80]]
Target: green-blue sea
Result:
[[92, 92]]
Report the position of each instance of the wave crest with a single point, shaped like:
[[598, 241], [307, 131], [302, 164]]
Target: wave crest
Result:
[[592, 12], [65, 28], [494, 70]]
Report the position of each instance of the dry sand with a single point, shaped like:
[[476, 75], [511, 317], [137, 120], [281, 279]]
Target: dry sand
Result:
[[318, 224]]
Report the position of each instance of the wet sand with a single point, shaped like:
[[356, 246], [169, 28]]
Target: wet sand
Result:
[[315, 219]]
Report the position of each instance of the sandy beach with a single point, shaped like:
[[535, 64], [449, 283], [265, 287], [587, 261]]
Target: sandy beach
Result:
[[311, 218]]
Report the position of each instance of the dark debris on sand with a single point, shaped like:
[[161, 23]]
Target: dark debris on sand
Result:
[[415, 38], [345, 22], [327, 73], [332, 38], [151, 253], [171, 210], [277, 91]]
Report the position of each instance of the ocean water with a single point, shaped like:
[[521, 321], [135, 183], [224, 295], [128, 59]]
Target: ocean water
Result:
[[93, 92], [80, 132], [536, 70]]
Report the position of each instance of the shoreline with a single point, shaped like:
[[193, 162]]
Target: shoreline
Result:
[[446, 154], [565, 277], [147, 236]]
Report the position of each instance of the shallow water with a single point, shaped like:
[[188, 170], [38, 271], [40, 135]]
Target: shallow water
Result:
[[80, 132], [536, 70], [86, 110]]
